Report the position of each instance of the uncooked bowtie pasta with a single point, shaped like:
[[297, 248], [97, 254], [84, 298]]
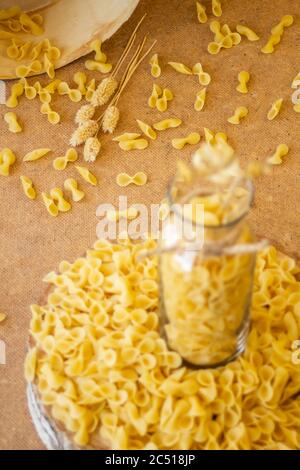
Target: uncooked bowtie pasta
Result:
[[16, 92], [139, 179], [52, 116], [275, 109], [200, 100], [135, 144], [28, 187], [13, 124], [155, 67], [281, 151], [191, 139], [201, 13], [7, 160], [247, 32], [36, 154], [243, 78], [61, 163], [169, 123], [87, 175], [62, 204], [240, 113], [277, 33], [147, 130], [71, 185]]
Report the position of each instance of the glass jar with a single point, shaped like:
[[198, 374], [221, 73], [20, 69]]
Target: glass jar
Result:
[[206, 279]]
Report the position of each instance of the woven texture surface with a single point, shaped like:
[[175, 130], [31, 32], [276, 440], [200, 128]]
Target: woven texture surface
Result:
[[32, 243]]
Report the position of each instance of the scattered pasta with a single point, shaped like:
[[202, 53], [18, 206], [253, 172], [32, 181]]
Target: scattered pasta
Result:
[[201, 13], [277, 33], [53, 116], [87, 175], [90, 90], [136, 144], [169, 123], [243, 78], [275, 109], [200, 100], [281, 151], [17, 91], [191, 139], [13, 124], [94, 66], [240, 113], [50, 205], [156, 93], [147, 130], [247, 32], [30, 91], [74, 94], [80, 79], [127, 136], [162, 103], [24, 71], [62, 162], [223, 38], [99, 54], [204, 77], [71, 185], [57, 196], [130, 214], [155, 67], [217, 7], [181, 68], [139, 179], [36, 155], [49, 67], [7, 159], [28, 188]]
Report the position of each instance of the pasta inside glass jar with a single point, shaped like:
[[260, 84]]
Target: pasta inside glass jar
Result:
[[206, 280]]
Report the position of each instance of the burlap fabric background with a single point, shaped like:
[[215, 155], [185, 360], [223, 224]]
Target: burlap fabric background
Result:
[[32, 243]]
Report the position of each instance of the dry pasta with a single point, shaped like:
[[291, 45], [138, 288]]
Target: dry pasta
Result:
[[277, 33], [71, 185], [61, 163], [243, 78], [24, 71], [30, 91], [36, 154], [57, 196], [91, 87], [275, 109], [240, 113], [17, 91], [200, 100], [99, 54], [130, 214], [94, 66], [127, 136], [28, 188], [169, 123], [201, 13], [50, 205], [281, 151], [80, 79], [162, 103], [247, 32], [87, 175], [156, 93], [125, 386], [181, 68], [147, 130], [139, 179], [53, 116], [204, 77], [74, 94], [217, 7], [49, 67], [7, 159], [136, 144], [13, 124], [155, 67], [191, 139]]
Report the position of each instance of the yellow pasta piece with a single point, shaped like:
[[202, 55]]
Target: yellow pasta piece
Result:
[[99, 55], [87, 175], [155, 67], [50, 205], [181, 68], [191, 139], [72, 185], [11, 12], [147, 130], [13, 124], [162, 103], [30, 91], [240, 113], [7, 159], [281, 151], [214, 47], [80, 79], [156, 93], [2, 317], [139, 179], [53, 116], [36, 155], [23, 50], [58, 197], [204, 77], [98, 66], [136, 144], [17, 90], [243, 78], [61, 163], [73, 94], [276, 34], [130, 214], [30, 365], [200, 100], [13, 49], [167, 124], [52, 86], [36, 51], [127, 136], [215, 27], [24, 71], [90, 89], [49, 67], [275, 109], [201, 13], [247, 32], [28, 188], [217, 7], [30, 25]]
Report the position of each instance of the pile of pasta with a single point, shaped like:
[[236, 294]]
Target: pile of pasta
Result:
[[105, 375]]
